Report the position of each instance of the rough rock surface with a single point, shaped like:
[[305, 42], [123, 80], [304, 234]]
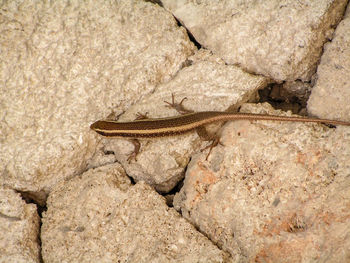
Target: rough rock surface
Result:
[[161, 162], [279, 39], [100, 217], [65, 64], [273, 192], [276, 192], [330, 96], [19, 229]]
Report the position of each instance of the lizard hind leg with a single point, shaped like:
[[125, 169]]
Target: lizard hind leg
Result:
[[214, 139], [134, 153]]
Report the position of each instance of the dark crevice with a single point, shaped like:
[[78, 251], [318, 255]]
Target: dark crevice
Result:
[[177, 187], [107, 152], [41, 207], [39, 235], [169, 197], [192, 39], [30, 198], [156, 2], [284, 99], [133, 182], [190, 36]]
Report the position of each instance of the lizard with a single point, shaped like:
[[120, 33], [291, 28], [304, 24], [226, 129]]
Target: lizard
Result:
[[144, 127]]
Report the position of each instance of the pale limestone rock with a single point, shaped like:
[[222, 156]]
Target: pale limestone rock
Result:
[[65, 64], [330, 96], [100, 217], [277, 192], [19, 229], [207, 85], [279, 39], [205, 55]]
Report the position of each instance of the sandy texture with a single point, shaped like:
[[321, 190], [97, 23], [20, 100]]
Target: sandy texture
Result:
[[273, 192], [100, 217], [162, 161], [330, 96], [19, 229], [65, 64], [279, 39], [276, 192]]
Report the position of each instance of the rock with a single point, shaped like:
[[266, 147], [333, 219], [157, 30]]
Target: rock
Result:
[[66, 64], [162, 161], [19, 229], [100, 217], [330, 96], [276, 192], [281, 40]]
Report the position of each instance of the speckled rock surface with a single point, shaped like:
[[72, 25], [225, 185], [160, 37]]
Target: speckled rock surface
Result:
[[19, 229], [100, 217], [207, 85], [276, 192], [65, 64], [330, 96], [279, 39]]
